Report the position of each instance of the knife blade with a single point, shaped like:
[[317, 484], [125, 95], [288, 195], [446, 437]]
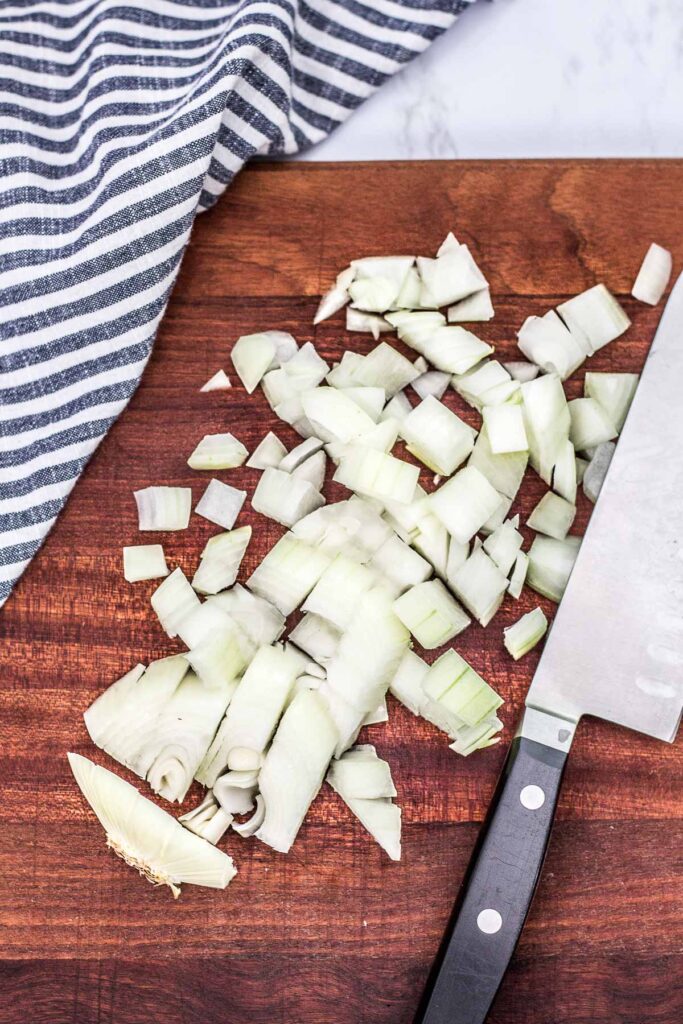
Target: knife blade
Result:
[[615, 651]]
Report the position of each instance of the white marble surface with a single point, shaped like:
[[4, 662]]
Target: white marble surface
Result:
[[532, 78]]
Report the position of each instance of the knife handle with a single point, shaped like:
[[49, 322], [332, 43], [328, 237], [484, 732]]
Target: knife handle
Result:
[[498, 887]]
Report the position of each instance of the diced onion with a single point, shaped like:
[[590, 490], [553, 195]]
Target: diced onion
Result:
[[219, 382], [252, 356], [433, 382], [476, 307], [399, 564], [218, 451], [269, 452], [594, 317], [377, 475], [480, 585], [284, 497], [364, 782], [335, 416], [173, 600], [449, 278], [464, 503], [312, 470], [256, 617], [431, 614], [163, 508], [590, 424], [564, 472], [477, 382], [550, 564], [552, 516], [547, 421], [317, 637], [614, 392], [288, 573], [221, 559], [504, 544], [366, 323], [437, 437], [505, 429], [525, 633], [336, 595], [454, 684], [504, 472], [370, 399], [397, 408], [221, 504], [653, 276], [386, 368], [207, 819], [549, 343], [336, 298], [521, 371], [518, 575], [144, 562]]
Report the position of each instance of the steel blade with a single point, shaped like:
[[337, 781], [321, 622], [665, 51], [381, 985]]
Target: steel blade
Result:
[[616, 647]]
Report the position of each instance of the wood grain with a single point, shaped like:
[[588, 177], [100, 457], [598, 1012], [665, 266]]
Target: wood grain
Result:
[[334, 933]]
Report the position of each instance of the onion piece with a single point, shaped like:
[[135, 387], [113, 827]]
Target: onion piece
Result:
[[145, 836], [421, 365], [294, 768], [222, 655], [397, 408], [378, 281], [455, 685], [207, 620], [219, 382], [594, 317], [284, 497], [207, 820], [312, 470], [432, 382], [547, 421], [596, 471], [480, 585], [336, 595], [386, 368], [552, 516], [220, 504], [336, 298], [564, 473], [477, 737], [234, 799], [472, 385], [437, 437], [144, 562], [288, 573], [370, 399], [590, 424], [550, 564], [400, 565], [548, 342], [406, 684], [653, 276], [518, 577], [525, 633], [366, 323], [303, 451], [476, 307], [221, 560], [452, 349], [521, 371], [250, 827], [450, 277], [269, 452], [504, 472], [257, 618], [163, 508], [334, 415], [364, 783], [218, 451], [317, 637], [253, 714], [343, 373], [498, 517], [464, 503], [376, 474], [379, 715], [409, 295], [173, 601], [252, 356], [504, 545], [614, 392], [505, 429], [431, 614]]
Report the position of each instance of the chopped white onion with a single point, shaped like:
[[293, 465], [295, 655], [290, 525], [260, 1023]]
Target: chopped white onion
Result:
[[221, 559], [475, 308], [251, 827], [366, 323], [257, 618], [449, 278], [406, 684], [252, 716], [455, 685], [378, 281], [464, 503], [521, 371], [144, 562], [472, 386], [173, 600], [145, 836], [397, 408], [252, 356], [269, 452], [452, 349], [335, 416], [590, 424], [525, 633], [379, 715], [220, 658], [594, 317], [564, 472], [291, 460], [653, 276], [437, 437], [312, 470], [364, 782], [218, 451], [288, 573], [518, 577], [400, 565], [433, 382], [480, 585], [220, 504], [504, 472], [336, 595], [386, 368], [377, 474], [336, 298], [550, 564], [219, 382], [431, 614], [163, 508], [549, 343], [207, 620], [596, 470], [614, 392], [504, 544], [547, 422], [505, 428], [294, 768], [284, 497], [421, 365], [370, 399], [317, 637], [552, 516], [207, 819], [343, 373]]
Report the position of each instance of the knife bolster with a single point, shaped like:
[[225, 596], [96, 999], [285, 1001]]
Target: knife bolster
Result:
[[550, 730]]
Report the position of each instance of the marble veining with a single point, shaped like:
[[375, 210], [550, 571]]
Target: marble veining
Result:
[[532, 78]]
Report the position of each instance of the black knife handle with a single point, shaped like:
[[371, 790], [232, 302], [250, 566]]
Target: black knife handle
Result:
[[498, 888]]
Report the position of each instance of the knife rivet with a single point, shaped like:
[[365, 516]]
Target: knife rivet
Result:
[[532, 797], [489, 921]]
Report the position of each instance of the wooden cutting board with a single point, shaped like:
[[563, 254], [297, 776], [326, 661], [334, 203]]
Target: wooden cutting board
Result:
[[333, 933]]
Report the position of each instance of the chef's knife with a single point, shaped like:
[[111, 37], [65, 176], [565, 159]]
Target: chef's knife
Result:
[[615, 651]]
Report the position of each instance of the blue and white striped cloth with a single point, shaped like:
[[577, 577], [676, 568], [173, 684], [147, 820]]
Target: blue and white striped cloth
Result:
[[119, 121]]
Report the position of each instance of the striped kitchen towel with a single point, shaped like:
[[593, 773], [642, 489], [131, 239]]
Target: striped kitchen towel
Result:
[[119, 121]]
